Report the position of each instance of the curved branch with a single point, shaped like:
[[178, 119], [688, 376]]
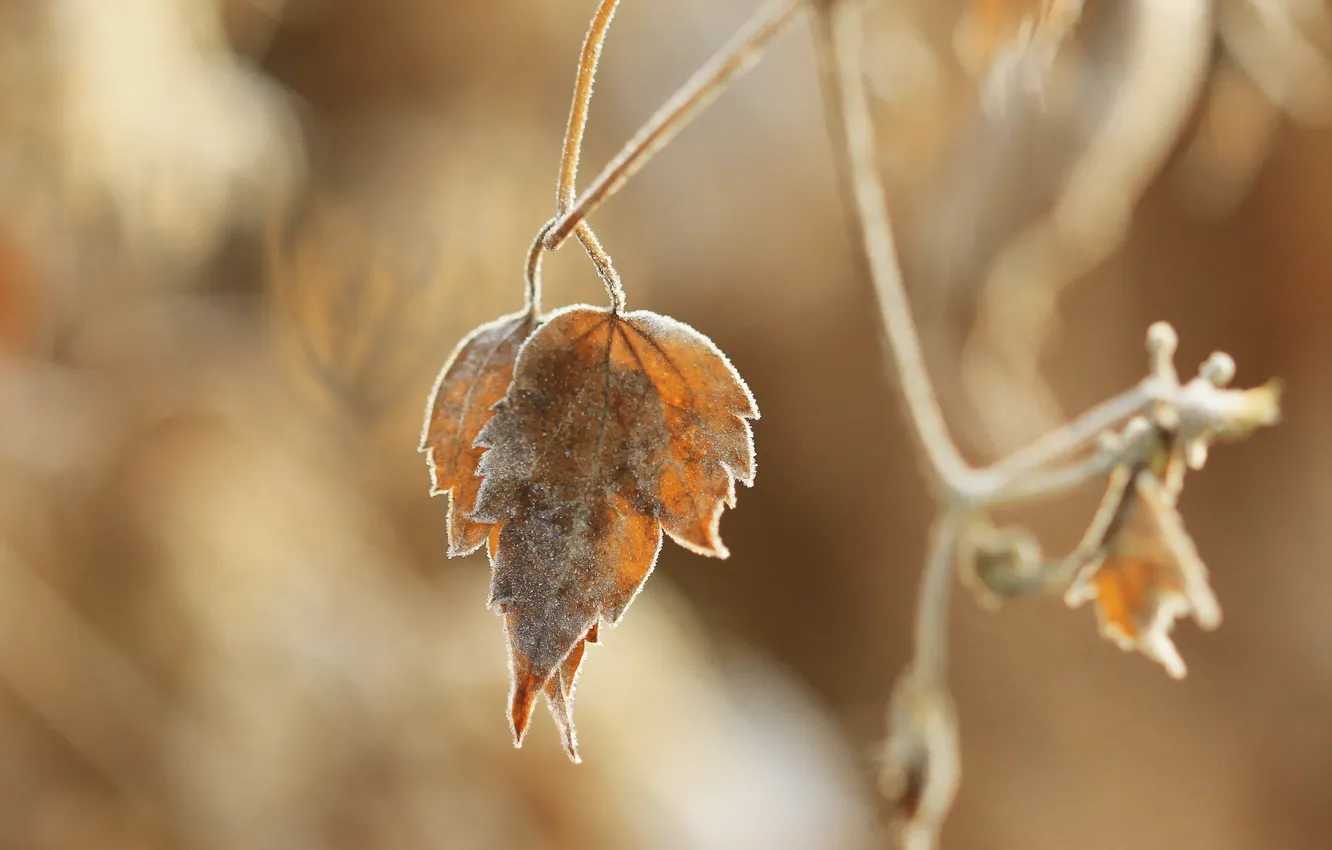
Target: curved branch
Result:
[[582, 102], [739, 55], [838, 29]]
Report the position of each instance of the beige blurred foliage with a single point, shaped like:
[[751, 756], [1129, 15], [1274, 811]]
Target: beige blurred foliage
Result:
[[237, 240]]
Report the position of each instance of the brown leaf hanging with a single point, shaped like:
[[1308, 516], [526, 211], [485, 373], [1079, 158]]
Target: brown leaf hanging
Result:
[[476, 376], [615, 428]]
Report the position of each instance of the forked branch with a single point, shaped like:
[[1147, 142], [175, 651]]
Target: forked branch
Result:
[[922, 772], [734, 59], [566, 191]]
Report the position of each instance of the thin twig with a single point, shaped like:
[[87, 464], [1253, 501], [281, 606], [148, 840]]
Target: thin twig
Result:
[[930, 661], [582, 101], [739, 55], [1046, 483], [838, 30], [566, 191], [532, 272], [1008, 480]]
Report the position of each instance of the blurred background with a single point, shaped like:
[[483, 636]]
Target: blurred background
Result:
[[239, 237]]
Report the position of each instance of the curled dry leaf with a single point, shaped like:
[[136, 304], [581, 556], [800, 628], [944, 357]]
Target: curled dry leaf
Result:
[[616, 427], [1142, 569], [476, 376]]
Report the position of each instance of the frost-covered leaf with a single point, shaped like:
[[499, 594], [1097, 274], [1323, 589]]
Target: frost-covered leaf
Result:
[[615, 429], [476, 376]]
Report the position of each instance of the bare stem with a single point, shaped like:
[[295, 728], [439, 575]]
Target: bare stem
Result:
[[930, 661], [1046, 483], [532, 274], [739, 55], [839, 30], [566, 192], [582, 101]]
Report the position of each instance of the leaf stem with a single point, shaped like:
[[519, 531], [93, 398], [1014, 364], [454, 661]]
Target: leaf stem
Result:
[[567, 189], [737, 56], [610, 278]]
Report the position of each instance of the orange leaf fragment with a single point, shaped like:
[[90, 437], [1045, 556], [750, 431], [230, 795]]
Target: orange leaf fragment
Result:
[[1144, 571], [616, 427], [476, 376]]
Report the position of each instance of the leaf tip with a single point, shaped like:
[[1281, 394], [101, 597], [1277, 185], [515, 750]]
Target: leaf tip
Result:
[[520, 713], [709, 546], [459, 549], [570, 739], [465, 537]]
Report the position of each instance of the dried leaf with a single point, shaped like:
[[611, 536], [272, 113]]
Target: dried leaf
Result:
[[1143, 571], [615, 428], [475, 377]]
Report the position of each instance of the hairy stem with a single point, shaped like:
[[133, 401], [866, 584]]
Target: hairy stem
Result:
[[838, 32], [532, 272], [738, 56], [582, 102]]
